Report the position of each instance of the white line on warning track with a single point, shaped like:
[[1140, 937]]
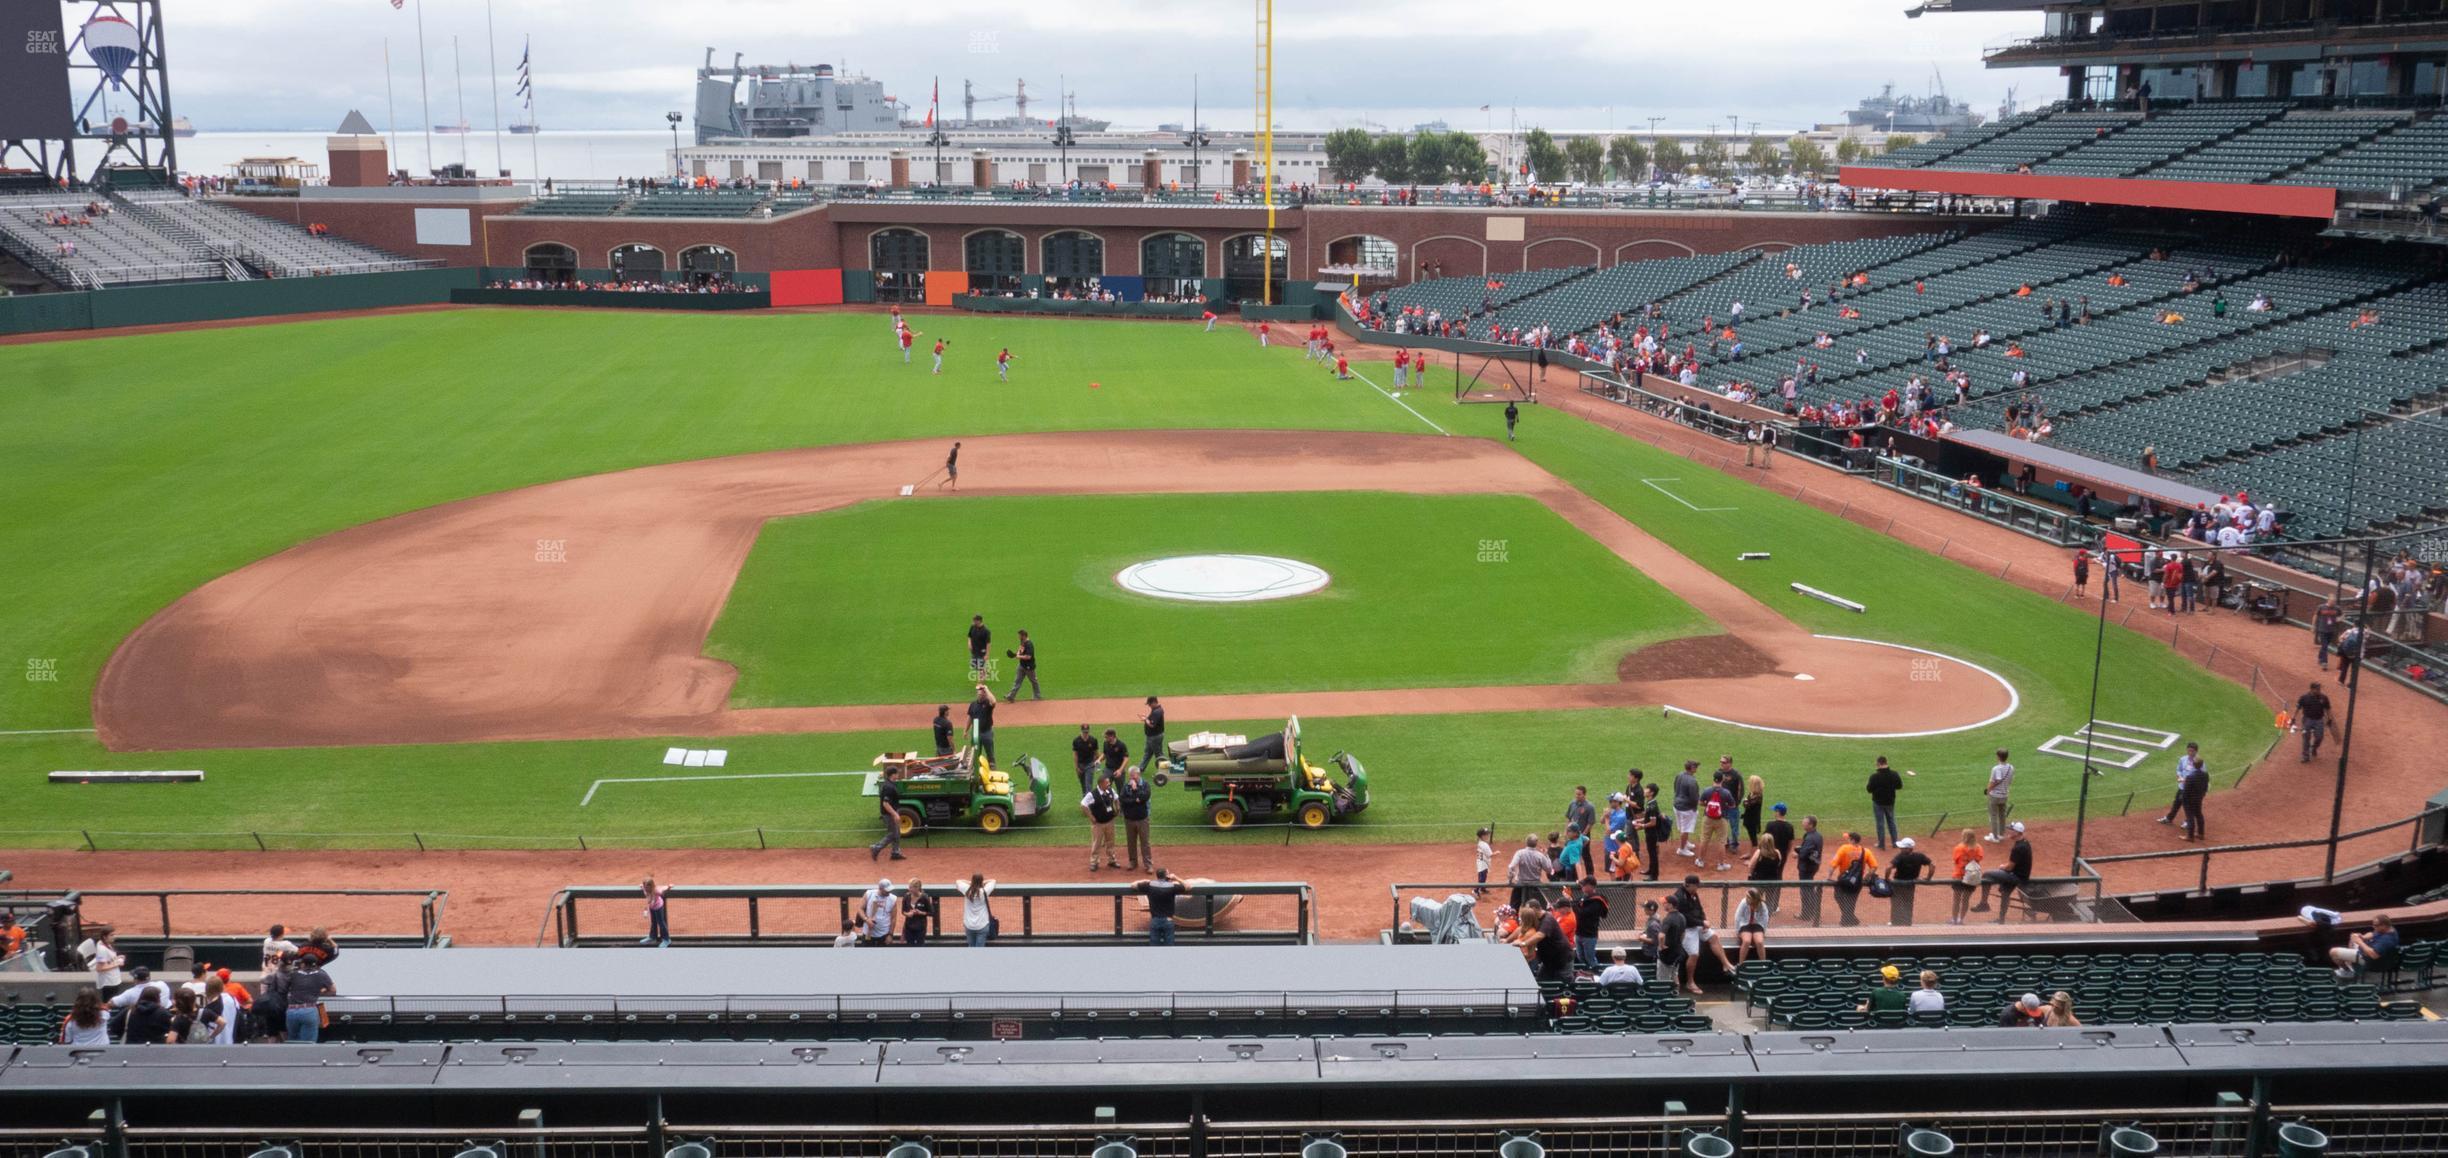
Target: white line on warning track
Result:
[[589, 798], [48, 732], [1652, 483], [1399, 402]]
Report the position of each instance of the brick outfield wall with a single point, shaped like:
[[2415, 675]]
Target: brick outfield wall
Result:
[[1429, 241]]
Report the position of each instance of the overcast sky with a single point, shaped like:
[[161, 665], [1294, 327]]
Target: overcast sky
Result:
[[1566, 64]]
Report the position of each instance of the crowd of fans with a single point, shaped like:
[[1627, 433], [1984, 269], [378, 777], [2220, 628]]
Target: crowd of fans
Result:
[[706, 285], [279, 997]]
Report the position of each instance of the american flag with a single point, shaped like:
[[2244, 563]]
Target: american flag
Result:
[[526, 84], [396, 5]]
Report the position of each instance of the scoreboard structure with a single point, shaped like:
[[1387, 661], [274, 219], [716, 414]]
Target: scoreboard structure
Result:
[[84, 87]]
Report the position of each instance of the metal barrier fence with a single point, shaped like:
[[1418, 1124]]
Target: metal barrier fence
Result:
[[1813, 904], [2418, 832], [1093, 913], [2228, 1130]]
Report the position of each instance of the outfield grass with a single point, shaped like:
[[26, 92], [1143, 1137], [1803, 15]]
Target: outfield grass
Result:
[[828, 609], [142, 467], [148, 465]]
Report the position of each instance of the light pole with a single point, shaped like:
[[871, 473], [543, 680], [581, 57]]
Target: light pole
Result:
[[674, 118], [1063, 140], [1196, 138], [937, 139]]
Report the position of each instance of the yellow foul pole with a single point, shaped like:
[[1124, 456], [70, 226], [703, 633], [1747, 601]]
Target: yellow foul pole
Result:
[[1266, 145]]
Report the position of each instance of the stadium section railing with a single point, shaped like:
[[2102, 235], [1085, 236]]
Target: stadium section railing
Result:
[[2419, 831], [2231, 1125], [227, 913], [1811, 904], [1094, 913]]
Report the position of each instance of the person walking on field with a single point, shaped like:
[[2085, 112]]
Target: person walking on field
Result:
[[1026, 656], [888, 803], [1152, 730], [2184, 772], [980, 638], [2312, 715], [2194, 789], [939, 352], [951, 469], [2000, 795], [1512, 419], [2082, 571], [1084, 756]]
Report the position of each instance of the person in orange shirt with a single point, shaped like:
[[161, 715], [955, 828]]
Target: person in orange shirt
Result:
[[1967, 873], [12, 936], [1853, 864]]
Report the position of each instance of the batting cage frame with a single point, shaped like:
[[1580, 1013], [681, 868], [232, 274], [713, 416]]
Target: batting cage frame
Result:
[[1475, 384]]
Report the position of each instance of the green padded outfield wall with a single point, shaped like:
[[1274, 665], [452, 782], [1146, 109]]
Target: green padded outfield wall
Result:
[[212, 301], [36, 313]]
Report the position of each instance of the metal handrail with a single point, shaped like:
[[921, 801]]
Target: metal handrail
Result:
[[1814, 912], [2417, 822], [1150, 1004], [429, 907], [561, 911]]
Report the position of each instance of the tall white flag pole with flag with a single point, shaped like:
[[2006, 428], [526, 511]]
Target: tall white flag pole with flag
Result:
[[424, 91], [526, 92], [493, 70]]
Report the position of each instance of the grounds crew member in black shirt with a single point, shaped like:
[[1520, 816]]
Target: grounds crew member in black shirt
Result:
[[1117, 753], [1101, 804], [1135, 796], [1084, 756], [888, 802], [1027, 655], [1153, 725], [2312, 715], [981, 721], [943, 729], [1512, 417], [979, 640]]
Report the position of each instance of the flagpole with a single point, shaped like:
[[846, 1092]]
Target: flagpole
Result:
[[535, 124], [493, 62], [424, 91], [390, 106]]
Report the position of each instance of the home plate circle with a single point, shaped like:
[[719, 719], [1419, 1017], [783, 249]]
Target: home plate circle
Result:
[[1222, 578]]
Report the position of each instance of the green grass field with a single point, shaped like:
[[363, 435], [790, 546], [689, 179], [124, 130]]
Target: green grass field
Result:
[[145, 466], [827, 612]]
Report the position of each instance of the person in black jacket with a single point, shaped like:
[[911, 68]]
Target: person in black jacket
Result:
[[1084, 756], [148, 1021], [1883, 786], [943, 729], [2192, 791], [1135, 796]]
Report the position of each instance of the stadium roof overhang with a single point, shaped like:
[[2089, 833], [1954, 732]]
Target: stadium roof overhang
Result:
[[2199, 196], [2105, 477]]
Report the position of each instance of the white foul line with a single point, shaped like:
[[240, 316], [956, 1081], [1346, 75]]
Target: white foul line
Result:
[[1652, 483], [590, 792], [1399, 402], [47, 732], [2014, 701]]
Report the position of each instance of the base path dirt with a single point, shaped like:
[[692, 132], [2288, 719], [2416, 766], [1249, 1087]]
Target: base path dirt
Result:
[[451, 624]]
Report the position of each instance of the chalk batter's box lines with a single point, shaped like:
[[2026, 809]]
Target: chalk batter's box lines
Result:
[[598, 786], [1652, 483], [2111, 743]]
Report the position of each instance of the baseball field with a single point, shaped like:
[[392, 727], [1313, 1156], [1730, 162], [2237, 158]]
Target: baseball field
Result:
[[461, 578]]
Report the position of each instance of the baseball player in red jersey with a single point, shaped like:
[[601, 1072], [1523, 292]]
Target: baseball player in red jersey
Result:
[[907, 337], [1342, 366], [1003, 363], [1209, 317], [939, 349], [1402, 367]]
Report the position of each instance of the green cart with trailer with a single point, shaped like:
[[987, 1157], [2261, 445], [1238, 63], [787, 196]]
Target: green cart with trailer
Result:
[[1260, 779], [941, 791]]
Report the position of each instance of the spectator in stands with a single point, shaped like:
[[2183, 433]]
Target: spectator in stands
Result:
[[1655, 828], [2350, 653], [1528, 869], [1620, 970], [1883, 786], [917, 911], [148, 1022], [109, 965], [1541, 941], [304, 985], [85, 1023], [319, 946], [658, 918], [1697, 935], [1687, 807], [2027, 1011], [2365, 951], [1751, 925], [1579, 812], [1910, 866], [1886, 997], [1927, 999], [142, 986], [1589, 913], [1806, 866], [2015, 875], [977, 912], [2060, 1011], [1853, 867], [219, 1012], [879, 909]]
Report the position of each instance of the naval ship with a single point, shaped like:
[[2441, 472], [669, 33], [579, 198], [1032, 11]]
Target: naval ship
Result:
[[796, 101], [1934, 113]]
